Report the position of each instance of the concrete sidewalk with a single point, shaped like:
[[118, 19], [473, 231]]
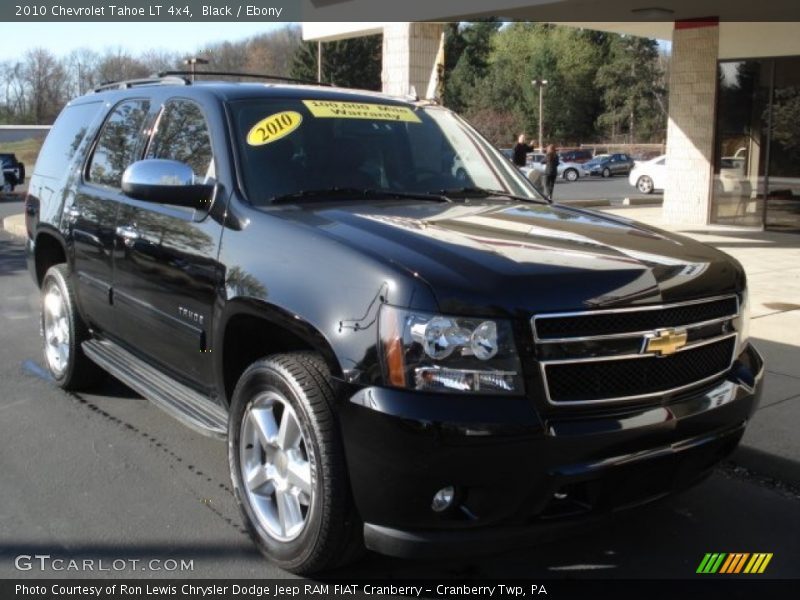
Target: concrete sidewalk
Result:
[[771, 445], [15, 225]]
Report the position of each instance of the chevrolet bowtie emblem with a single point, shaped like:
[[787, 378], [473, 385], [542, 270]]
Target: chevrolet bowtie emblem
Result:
[[664, 342]]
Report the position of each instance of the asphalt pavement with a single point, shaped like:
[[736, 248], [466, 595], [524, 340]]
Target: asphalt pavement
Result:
[[613, 189], [109, 476]]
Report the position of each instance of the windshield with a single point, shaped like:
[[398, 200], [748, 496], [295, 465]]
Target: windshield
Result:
[[291, 146]]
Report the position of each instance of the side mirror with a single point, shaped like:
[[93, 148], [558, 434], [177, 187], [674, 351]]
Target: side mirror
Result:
[[166, 182]]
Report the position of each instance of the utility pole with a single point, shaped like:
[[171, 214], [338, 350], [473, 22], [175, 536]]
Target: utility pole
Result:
[[193, 62], [319, 62], [540, 83]]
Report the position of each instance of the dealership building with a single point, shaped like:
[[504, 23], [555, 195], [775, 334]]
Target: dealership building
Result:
[[733, 136]]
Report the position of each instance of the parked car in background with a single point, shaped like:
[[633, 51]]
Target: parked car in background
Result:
[[576, 156], [13, 170], [570, 171], [590, 165], [731, 178], [612, 164], [4, 186], [650, 175]]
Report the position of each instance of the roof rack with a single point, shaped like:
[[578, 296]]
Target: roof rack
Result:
[[129, 83], [235, 74]]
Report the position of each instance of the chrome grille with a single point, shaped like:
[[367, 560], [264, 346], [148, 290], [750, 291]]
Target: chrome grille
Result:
[[602, 356]]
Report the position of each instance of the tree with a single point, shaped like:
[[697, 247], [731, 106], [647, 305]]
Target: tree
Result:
[[46, 80], [118, 64], [631, 89], [352, 63], [566, 57], [273, 52], [467, 53]]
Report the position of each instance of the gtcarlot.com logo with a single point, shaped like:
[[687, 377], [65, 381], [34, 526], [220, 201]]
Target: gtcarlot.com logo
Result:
[[734, 563], [46, 562]]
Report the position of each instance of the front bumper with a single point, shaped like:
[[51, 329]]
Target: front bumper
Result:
[[520, 476]]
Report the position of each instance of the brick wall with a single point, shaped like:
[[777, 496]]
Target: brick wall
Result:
[[690, 132]]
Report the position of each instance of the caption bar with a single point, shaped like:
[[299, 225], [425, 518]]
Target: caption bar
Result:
[[185, 11]]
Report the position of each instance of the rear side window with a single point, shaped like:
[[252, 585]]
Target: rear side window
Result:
[[64, 139], [117, 143], [182, 134]]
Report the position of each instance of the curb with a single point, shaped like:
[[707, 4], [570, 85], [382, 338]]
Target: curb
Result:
[[763, 463], [15, 225]]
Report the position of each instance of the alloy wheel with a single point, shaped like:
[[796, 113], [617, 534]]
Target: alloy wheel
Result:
[[276, 466], [55, 326]]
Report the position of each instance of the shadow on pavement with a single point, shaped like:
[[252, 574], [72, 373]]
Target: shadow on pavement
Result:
[[12, 257]]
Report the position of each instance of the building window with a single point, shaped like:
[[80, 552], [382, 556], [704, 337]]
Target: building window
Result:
[[757, 152]]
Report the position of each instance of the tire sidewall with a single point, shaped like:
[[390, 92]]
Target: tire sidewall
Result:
[[256, 380], [57, 275]]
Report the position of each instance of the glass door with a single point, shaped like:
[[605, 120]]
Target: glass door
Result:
[[782, 208], [741, 143]]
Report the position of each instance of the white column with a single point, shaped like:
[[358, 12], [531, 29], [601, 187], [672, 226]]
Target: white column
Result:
[[411, 56], [690, 132]]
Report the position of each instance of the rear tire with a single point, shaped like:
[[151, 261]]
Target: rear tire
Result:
[[571, 175], [606, 172], [64, 331], [287, 465]]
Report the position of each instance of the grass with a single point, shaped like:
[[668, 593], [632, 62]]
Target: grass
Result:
[[26, 150]]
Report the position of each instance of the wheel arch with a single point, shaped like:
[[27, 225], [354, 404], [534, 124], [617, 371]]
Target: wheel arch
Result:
[[251, 329], [49, 250]]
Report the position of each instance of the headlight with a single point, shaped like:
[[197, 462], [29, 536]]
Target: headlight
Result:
[[743, 325], [440, 353]]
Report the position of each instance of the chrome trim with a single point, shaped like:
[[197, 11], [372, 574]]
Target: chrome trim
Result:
[[699, 382], [703, 342], [627, 309], [632, 334], [669, 449]]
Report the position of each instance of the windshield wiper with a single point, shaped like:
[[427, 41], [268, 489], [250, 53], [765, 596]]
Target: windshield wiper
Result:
[[360, 193], [485, 193]]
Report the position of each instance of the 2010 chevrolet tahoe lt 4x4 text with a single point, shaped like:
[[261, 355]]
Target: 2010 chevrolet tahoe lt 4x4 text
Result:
[[405, 346]]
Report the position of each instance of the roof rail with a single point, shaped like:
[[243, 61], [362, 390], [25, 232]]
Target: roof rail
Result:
[[235, 74], [129, 83]]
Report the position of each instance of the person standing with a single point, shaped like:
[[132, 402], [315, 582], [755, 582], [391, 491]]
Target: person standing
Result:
[[550, 170], [521, 150]]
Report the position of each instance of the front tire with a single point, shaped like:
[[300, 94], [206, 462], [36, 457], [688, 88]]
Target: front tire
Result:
[[645, 184], [571, 175], [64, 331], [606, 172], [287, 464]]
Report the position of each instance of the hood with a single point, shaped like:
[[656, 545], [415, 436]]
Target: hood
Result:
[[488, 258]]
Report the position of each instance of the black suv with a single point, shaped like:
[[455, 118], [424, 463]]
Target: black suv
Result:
[[13, 170], [403, 344]]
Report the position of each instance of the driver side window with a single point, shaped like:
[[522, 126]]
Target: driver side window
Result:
[[182, 134]]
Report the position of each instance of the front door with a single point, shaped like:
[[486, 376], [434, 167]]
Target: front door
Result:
[[166, 270]]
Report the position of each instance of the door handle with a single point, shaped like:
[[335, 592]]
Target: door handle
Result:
[[127, 233]]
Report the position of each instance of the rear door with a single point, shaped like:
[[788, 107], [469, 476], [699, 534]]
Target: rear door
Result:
[[166, 270], [91, 212]]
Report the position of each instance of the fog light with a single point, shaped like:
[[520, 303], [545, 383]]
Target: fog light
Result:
[[443, 499]]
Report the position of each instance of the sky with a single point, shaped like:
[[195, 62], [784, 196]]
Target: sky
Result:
[[62, 38]]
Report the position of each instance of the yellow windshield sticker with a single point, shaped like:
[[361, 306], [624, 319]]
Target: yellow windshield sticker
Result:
[[274, 127], [360, 110]]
